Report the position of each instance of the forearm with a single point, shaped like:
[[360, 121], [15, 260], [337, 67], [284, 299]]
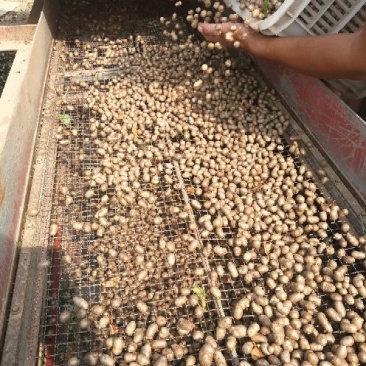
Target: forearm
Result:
[[332, 56]]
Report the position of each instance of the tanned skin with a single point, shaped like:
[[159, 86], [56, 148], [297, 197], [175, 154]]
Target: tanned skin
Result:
[[329, 56]]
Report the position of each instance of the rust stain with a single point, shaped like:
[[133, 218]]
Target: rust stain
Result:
[[340, 132], [2, 194]]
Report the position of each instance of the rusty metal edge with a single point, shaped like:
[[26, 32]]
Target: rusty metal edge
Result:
[[334, 189], [316, 158], [16, 168], [339, 187], [17, 33], [319, 111]]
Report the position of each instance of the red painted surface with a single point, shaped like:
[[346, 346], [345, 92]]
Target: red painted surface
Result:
[[340, 132]]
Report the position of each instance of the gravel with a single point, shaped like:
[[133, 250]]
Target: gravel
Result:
[[6, 60]]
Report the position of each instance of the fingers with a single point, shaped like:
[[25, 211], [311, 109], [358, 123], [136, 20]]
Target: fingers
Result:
[[207, 29], [217, 32], [229, 35]]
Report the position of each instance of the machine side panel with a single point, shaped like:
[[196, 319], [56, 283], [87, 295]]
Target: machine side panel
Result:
[[20, 104], [336, 128]]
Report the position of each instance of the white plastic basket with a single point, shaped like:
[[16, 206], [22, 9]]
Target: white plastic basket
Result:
[[314, 17], [309, 17]]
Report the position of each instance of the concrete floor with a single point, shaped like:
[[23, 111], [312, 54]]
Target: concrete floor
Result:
[[15, 12]]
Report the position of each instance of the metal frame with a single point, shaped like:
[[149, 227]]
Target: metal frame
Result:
[[20, 107]]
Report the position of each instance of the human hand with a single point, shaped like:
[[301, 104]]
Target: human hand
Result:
[[230, 35]]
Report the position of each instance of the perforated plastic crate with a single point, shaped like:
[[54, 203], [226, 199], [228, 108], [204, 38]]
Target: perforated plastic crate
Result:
[[314, 17], [309, 17]]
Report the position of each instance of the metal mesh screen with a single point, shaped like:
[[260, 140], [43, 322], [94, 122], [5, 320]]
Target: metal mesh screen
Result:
[[100, 265]]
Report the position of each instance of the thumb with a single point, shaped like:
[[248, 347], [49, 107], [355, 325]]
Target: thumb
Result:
[[207, 29]]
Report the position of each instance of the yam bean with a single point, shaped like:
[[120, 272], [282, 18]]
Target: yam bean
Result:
[[151, 330], [91, 358], [73, 361], [80, 303], [142, 307], [180, 301], [130, 357], [216, 293], [106, 360], [65, 317], [118, 346], [219, 358], [130, 328], [206, 355], [238, 331]]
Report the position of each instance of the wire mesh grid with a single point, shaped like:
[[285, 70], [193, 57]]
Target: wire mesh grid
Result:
[[74, 280], [75, 253], [101, 52], [98, 54], [79, 257], [74, 156], [233, 290]]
